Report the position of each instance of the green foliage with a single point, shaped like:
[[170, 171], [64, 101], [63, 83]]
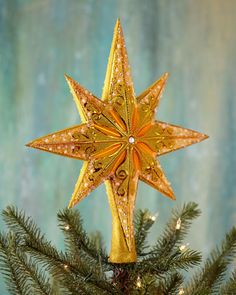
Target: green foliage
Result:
[[142, 223], [20, 270], [230, 286], [212, 274], [32, 265]]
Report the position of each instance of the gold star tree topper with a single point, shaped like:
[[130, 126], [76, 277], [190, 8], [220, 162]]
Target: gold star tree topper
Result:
[[119, 141]]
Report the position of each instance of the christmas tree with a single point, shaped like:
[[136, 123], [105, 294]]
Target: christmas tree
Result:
[[32, 265]]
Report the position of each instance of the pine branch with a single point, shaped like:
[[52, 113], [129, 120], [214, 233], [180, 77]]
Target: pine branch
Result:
[[73, 276], [177, 261], [43, 252], [171, 236], [32, 278], [77, 240], [19, 223], [97, 243], [184, 260], [36, 279], [28, 277], [165, 256], [142, 224], [213, 272], [170, 284], [229, 287], [32, 238], [7, 266]]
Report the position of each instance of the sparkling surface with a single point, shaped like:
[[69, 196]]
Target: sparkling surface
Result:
[[131, 139]]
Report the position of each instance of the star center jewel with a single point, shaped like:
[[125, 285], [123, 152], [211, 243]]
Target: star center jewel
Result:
[[119, 141], [131, 140]]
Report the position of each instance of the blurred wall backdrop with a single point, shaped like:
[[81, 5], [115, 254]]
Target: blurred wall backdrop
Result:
[[193, 40]]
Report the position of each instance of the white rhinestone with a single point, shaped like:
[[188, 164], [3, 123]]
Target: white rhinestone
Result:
[[131, 139]]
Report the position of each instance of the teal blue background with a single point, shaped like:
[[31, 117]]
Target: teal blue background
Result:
[[195, 41]]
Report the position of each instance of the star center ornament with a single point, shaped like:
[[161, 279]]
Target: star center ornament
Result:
[[119, 141]]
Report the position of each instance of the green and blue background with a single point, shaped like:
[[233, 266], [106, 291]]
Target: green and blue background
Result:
[[195, 41]]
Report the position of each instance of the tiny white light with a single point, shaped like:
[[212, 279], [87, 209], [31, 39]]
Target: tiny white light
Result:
[[154, 217], [183, 247], [138, 283], [178, 224], [66, 266], [67, 227], [181, 291]]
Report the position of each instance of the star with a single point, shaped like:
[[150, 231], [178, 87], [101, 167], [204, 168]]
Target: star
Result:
[[119, 141]]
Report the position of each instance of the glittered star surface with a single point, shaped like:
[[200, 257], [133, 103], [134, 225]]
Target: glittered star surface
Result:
[[119, 141]]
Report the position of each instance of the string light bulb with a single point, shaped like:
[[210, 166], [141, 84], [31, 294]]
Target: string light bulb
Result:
[[139, 283], [153, 217], [67, 227], [181, 291], [183, 247], [178, 224], [65, 266]]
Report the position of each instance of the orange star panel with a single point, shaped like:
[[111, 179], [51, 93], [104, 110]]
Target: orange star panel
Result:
[[119, 142]]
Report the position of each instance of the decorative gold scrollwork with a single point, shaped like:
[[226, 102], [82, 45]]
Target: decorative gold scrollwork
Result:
[[76, 149], [97, 166], [91, 177], [121, 191], [153, 172], [76, 135], [119, 100], [90, 149], [96, 116], [145, 107], [121, 174]]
